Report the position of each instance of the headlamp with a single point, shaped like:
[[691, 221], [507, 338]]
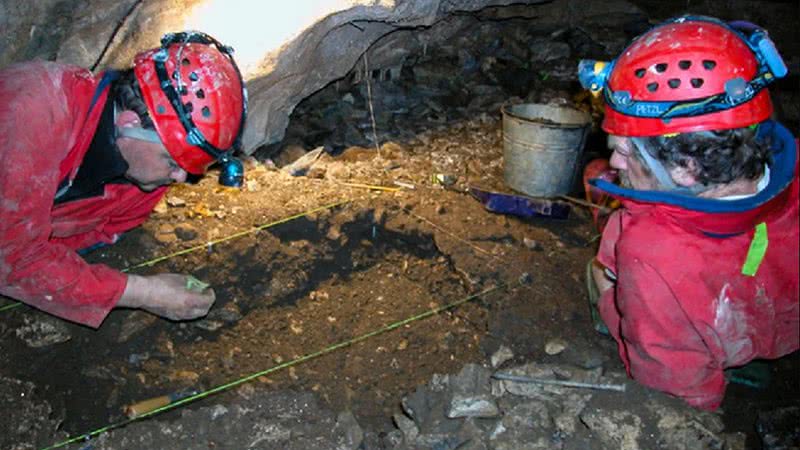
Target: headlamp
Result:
[[231, 172], [593, 75]]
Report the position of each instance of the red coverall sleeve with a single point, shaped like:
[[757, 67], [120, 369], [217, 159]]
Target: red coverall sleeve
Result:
[[606, 254], [36, 131], [661, 345], [84, 240]]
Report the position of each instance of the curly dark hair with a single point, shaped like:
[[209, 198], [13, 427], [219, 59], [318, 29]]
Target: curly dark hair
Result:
[[128, 96], [719, 157]]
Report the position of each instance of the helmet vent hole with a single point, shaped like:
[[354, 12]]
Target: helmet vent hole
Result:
[[175, 75], [685, 64], [185, 61], [674, 83], [193, 76], [661, 67], [183, 90], [200, 94], [652, 87], [697, 82], [709, 64], [639, 73], [206, 111], [188, 107]]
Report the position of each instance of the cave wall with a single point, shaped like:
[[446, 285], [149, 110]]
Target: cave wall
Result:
[[290, 50]]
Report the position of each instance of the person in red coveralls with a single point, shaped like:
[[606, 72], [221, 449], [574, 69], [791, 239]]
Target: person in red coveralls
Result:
[[86, 158], [697, 271]]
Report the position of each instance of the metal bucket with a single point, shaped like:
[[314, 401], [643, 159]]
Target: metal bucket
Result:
[[541, 146]]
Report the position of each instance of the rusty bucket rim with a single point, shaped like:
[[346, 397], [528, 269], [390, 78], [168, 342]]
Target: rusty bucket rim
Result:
[[506, 110]]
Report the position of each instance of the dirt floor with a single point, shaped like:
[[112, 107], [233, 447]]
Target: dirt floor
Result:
[[301, 286], [298, 287]]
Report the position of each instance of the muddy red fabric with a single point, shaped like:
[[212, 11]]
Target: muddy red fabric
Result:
[[682, 311], [46, 126], [599, 168]]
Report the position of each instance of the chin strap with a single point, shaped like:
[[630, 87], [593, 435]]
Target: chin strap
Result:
[[662, 174]]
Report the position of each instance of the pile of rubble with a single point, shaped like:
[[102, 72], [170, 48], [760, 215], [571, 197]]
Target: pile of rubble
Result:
[[490, 64], [473, 410]]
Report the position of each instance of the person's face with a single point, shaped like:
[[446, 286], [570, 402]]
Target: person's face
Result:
[[632, 173], [149, 164]]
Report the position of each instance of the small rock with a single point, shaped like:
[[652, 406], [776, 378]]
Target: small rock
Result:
[[184, 375], [246, 391], [393, 439], [301, 165], [208, 325], [440, 209], [502, 355], [350, 431], [318, 295], [408, 427], [498, 429], [615, 429], [138, 358], [252, 185], [161, 207], [166, 234], [134, 324], [43, 331], [532, 244], [175, 201], [555, 346], [471, 394], [218, 411], [186, 232], [735, 441], [296, 327], [334, 233], [202, 210], [229, 314]]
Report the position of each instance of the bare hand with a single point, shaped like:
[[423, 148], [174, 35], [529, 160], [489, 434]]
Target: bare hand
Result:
[[169, 295]]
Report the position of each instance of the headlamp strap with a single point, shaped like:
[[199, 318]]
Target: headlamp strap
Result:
[[737, 90]]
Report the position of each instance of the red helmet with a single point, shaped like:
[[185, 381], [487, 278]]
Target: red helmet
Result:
[[689, 74], [198, 106]]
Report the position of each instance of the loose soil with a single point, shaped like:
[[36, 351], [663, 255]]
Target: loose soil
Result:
[[303, 285]]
